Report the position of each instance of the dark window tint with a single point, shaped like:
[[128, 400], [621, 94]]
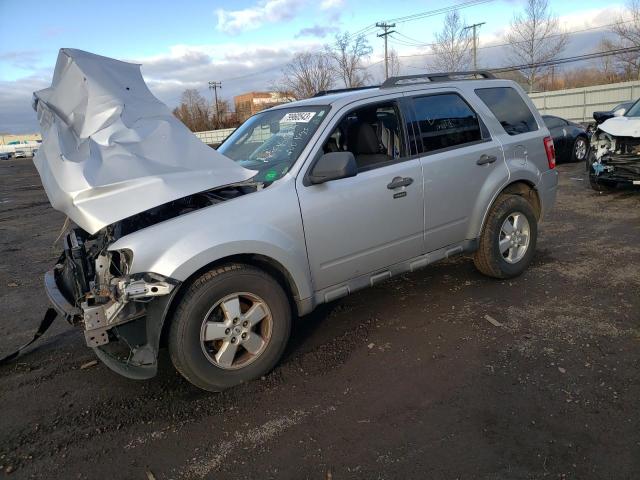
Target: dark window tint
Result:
[[509, 108], [553, 122], [445, 121]]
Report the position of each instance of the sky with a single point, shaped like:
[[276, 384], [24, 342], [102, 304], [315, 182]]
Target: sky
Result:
[[242, 43]]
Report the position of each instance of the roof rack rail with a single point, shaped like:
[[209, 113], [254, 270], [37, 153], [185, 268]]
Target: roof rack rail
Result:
[[435, 77], [322, 93]]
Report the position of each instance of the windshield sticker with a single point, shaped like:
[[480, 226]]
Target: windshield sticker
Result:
[[298, 117]]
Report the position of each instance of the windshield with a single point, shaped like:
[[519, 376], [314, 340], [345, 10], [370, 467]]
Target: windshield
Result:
[[270, 142], [632, 111]]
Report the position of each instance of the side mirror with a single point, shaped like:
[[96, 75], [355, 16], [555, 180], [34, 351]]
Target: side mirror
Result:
[[332, 166], [620, 112]]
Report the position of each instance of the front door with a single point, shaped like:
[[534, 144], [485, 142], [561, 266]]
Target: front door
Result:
[[358, 225]]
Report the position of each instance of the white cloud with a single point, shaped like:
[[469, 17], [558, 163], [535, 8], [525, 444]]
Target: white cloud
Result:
[[265, 11], [328, 4]]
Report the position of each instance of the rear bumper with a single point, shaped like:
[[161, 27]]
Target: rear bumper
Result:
[[547, 190], [58, 300]]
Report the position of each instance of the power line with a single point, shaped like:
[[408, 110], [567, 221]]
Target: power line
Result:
[[561, 61], [550, 63], [439, 11], [413, 42]]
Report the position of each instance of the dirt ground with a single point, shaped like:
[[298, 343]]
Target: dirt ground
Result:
[[405, 380]]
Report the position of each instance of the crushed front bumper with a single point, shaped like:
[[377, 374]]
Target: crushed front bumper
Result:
[[70, 313], [617, 169], [136, 356]]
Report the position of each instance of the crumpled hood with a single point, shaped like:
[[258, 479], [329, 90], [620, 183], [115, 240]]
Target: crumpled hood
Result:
[[622, 126], [110, 149]]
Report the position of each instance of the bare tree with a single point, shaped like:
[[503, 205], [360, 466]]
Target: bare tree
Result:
[[199, 115], [307, 74], [394, 63], [609, 65], [627, 31], [348, 54], [534, 37], [193, 111], [452, 48]]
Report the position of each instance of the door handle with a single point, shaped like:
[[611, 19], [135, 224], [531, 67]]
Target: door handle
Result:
[[484, 159], [398, 182]]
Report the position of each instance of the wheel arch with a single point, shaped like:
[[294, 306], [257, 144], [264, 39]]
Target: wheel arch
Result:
[[271, 266], [522, 187]]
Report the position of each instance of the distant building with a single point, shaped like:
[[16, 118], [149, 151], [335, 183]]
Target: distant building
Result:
[[250, 103], [9, 139]]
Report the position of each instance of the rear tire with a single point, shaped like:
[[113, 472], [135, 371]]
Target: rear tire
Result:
[[502, 254], [580, 149], [231, 326]]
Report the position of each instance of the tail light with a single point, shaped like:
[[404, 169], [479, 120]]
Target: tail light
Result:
[[551, 152]]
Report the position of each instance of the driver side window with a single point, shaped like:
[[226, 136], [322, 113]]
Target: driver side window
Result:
[[373, 133]]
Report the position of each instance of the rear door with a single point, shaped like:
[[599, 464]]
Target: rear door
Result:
[[458, 156]]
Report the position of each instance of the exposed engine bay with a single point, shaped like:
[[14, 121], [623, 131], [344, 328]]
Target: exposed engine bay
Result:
[[615, 158], [97, 282]]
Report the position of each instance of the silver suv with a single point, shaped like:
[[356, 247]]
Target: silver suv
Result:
[[214, 252]]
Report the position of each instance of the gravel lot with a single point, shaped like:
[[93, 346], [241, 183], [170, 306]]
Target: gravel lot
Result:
[[405, 380]]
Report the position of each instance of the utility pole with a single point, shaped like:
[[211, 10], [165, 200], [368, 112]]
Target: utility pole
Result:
[[215, 86], [475, 42], [385, 26]]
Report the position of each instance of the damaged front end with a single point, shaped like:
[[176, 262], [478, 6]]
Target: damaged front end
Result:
[[92, 288], [122, 313], [614, 159], [115, 160]]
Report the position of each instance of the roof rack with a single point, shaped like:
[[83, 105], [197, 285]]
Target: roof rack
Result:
[[322, 93], [435, 77]]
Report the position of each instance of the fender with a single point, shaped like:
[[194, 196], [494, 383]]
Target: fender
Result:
[[270, 226]]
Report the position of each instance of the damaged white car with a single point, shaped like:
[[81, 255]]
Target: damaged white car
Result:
[[212, 252], [614, 157]]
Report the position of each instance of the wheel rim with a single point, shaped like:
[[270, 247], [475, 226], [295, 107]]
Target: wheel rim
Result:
[[515, 234], [581, 149], [236, 330]]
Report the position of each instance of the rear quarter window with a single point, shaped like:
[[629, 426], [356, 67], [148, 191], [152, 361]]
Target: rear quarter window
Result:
[[507, 106]]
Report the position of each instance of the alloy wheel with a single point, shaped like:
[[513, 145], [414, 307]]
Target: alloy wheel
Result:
[[581, 149], [514, 237], [236, 330]]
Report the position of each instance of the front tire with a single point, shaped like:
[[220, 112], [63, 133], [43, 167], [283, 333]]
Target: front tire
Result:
[[508, 239], [231, 326], [601, 185]]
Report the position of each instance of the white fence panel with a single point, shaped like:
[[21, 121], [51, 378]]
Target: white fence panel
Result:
[[214, 137], [578, 104]]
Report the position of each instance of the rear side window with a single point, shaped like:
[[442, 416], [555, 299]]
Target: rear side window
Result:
[[508, 107], [445, 121], [553, 122]]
